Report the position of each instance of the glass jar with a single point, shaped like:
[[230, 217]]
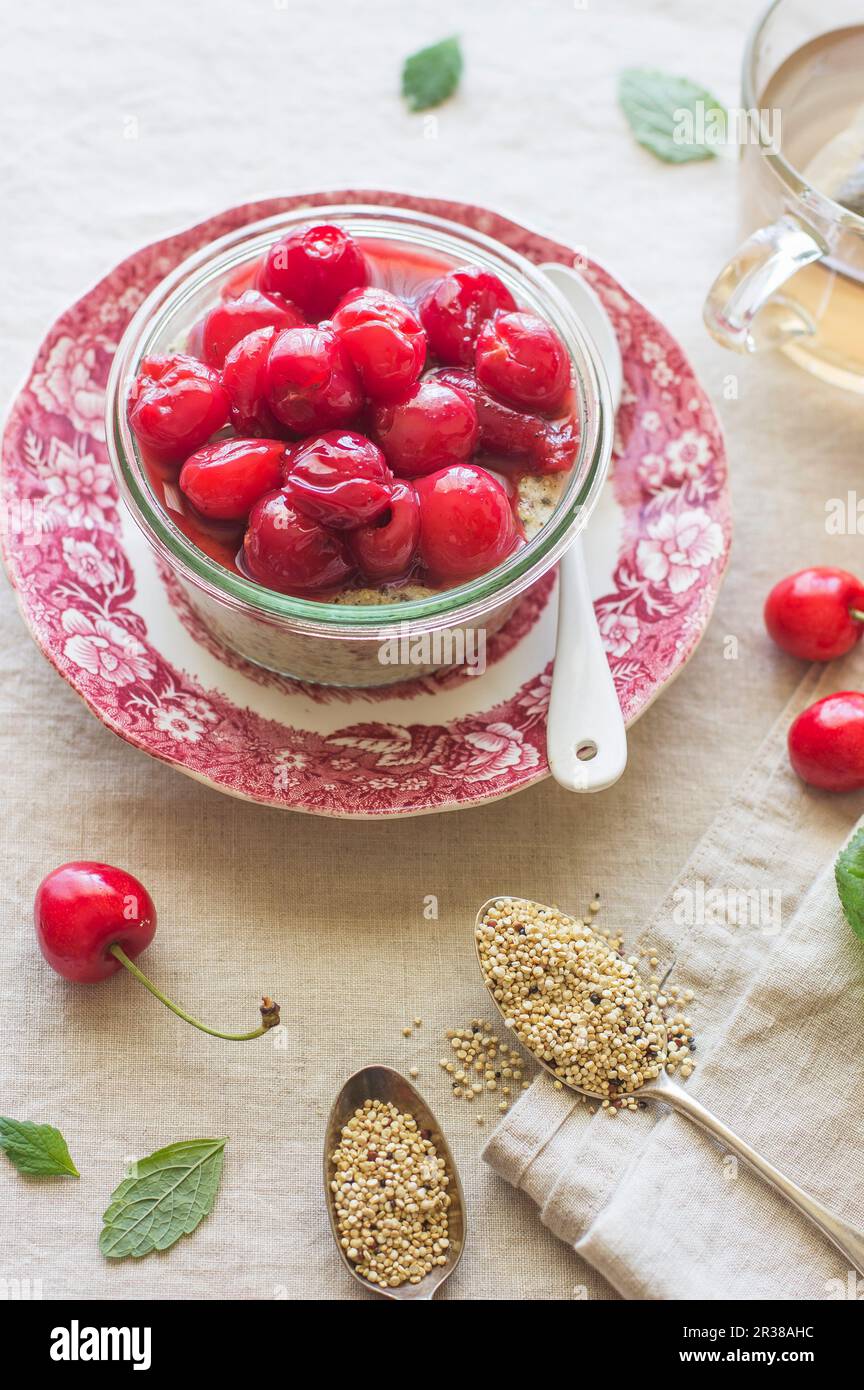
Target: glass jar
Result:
[[356, 644]]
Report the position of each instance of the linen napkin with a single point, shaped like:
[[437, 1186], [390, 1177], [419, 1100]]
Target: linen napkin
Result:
[[755, 929]]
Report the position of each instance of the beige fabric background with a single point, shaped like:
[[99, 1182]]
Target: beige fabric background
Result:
[[232, 101]]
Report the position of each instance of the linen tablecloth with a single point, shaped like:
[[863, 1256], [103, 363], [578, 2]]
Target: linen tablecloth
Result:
[[120, 124]]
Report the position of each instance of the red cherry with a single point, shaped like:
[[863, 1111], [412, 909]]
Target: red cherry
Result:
[[433, 426], [466, 522], [386, 549], [175, 405], [312, 383], [455, 309], [222, 481], [521, 359], [385, 341], [826, 743], [225, 325], [816, 614], [92, 919], [288, 551], [340, 479], [244, 377], [314, 267], [550, 446], [82, 909]]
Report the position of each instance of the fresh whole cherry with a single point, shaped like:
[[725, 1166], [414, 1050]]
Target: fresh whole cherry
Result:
[[549, 446], [288, 551], [455, 309], [433, 426], [385, 550], [826, 743], [92, 920], [340, 479], [175, 405], [224, 480], [385, 341], [233, 319], [467, 525], [816, 614], [520, 358], [314, 267], [312, 384]]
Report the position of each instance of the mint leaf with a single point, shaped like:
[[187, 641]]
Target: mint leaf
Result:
[[432, 75], [39, 1150], [672, 117], [849, 873], [162, 1198]]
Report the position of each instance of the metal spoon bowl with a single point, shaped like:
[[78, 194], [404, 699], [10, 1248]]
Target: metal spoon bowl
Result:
[[846, 1238], [384, 1084]]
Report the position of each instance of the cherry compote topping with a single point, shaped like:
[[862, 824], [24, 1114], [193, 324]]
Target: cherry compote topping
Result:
[[455, 309], [341, 479], [432, 426], [225, 325], [287, 550], [385, 341], [466, 522], [224, 480], [520, 358], [311, 382], [175, 405], [314, 267]]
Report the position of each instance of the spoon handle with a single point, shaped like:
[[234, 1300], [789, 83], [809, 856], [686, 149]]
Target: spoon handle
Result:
[[846, 1238], [585, 739]]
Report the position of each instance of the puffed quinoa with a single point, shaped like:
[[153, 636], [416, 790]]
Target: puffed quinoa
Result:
[[390, 1196], [573, 999]]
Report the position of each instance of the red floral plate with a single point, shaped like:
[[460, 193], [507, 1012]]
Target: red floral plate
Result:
[[121, 634]]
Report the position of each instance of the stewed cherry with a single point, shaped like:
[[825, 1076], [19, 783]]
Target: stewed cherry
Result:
[[93, 919], [314, 267], [175, 405], [826, 742], [816, 614], [549, 446], [222, 481], [287, 550], [455, 309], [233, 319], [340, 479], [520, 358], [384, 339], [385, 550], [311, 382], [466, 522], [244, 377], [434, 425]]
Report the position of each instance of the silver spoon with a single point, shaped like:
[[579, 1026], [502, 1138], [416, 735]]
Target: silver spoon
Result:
[[846, 1238], [586, 742], [382, 1083]]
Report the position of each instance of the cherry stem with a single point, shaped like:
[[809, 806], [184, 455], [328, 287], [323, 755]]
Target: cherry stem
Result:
[[269, 1010], [856, 615]]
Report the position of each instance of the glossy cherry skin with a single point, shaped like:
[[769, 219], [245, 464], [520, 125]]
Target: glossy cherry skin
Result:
[[83, 908], [433, 426], [232, 320], [385, 341], [521, 359], [826, 743], [314, 267], [386, 549], [340, 478], [244, 377], [175, 405], [549, 446], [809, 614], [455, 309], [466, 523], [286, 550], [224, 480], [312, 384]]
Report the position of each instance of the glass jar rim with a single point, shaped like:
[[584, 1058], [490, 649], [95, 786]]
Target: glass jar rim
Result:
[[216, 260]]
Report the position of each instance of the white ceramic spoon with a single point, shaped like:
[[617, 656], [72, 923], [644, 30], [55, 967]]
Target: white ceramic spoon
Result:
[[586, 742]]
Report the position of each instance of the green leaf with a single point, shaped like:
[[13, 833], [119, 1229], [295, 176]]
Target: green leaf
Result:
[[432, 75], [39, 1150], [671, 116], [849, 873], [162, 1198]]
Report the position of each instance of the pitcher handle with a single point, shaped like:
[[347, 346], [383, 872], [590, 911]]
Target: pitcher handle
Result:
[[743, 310]]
